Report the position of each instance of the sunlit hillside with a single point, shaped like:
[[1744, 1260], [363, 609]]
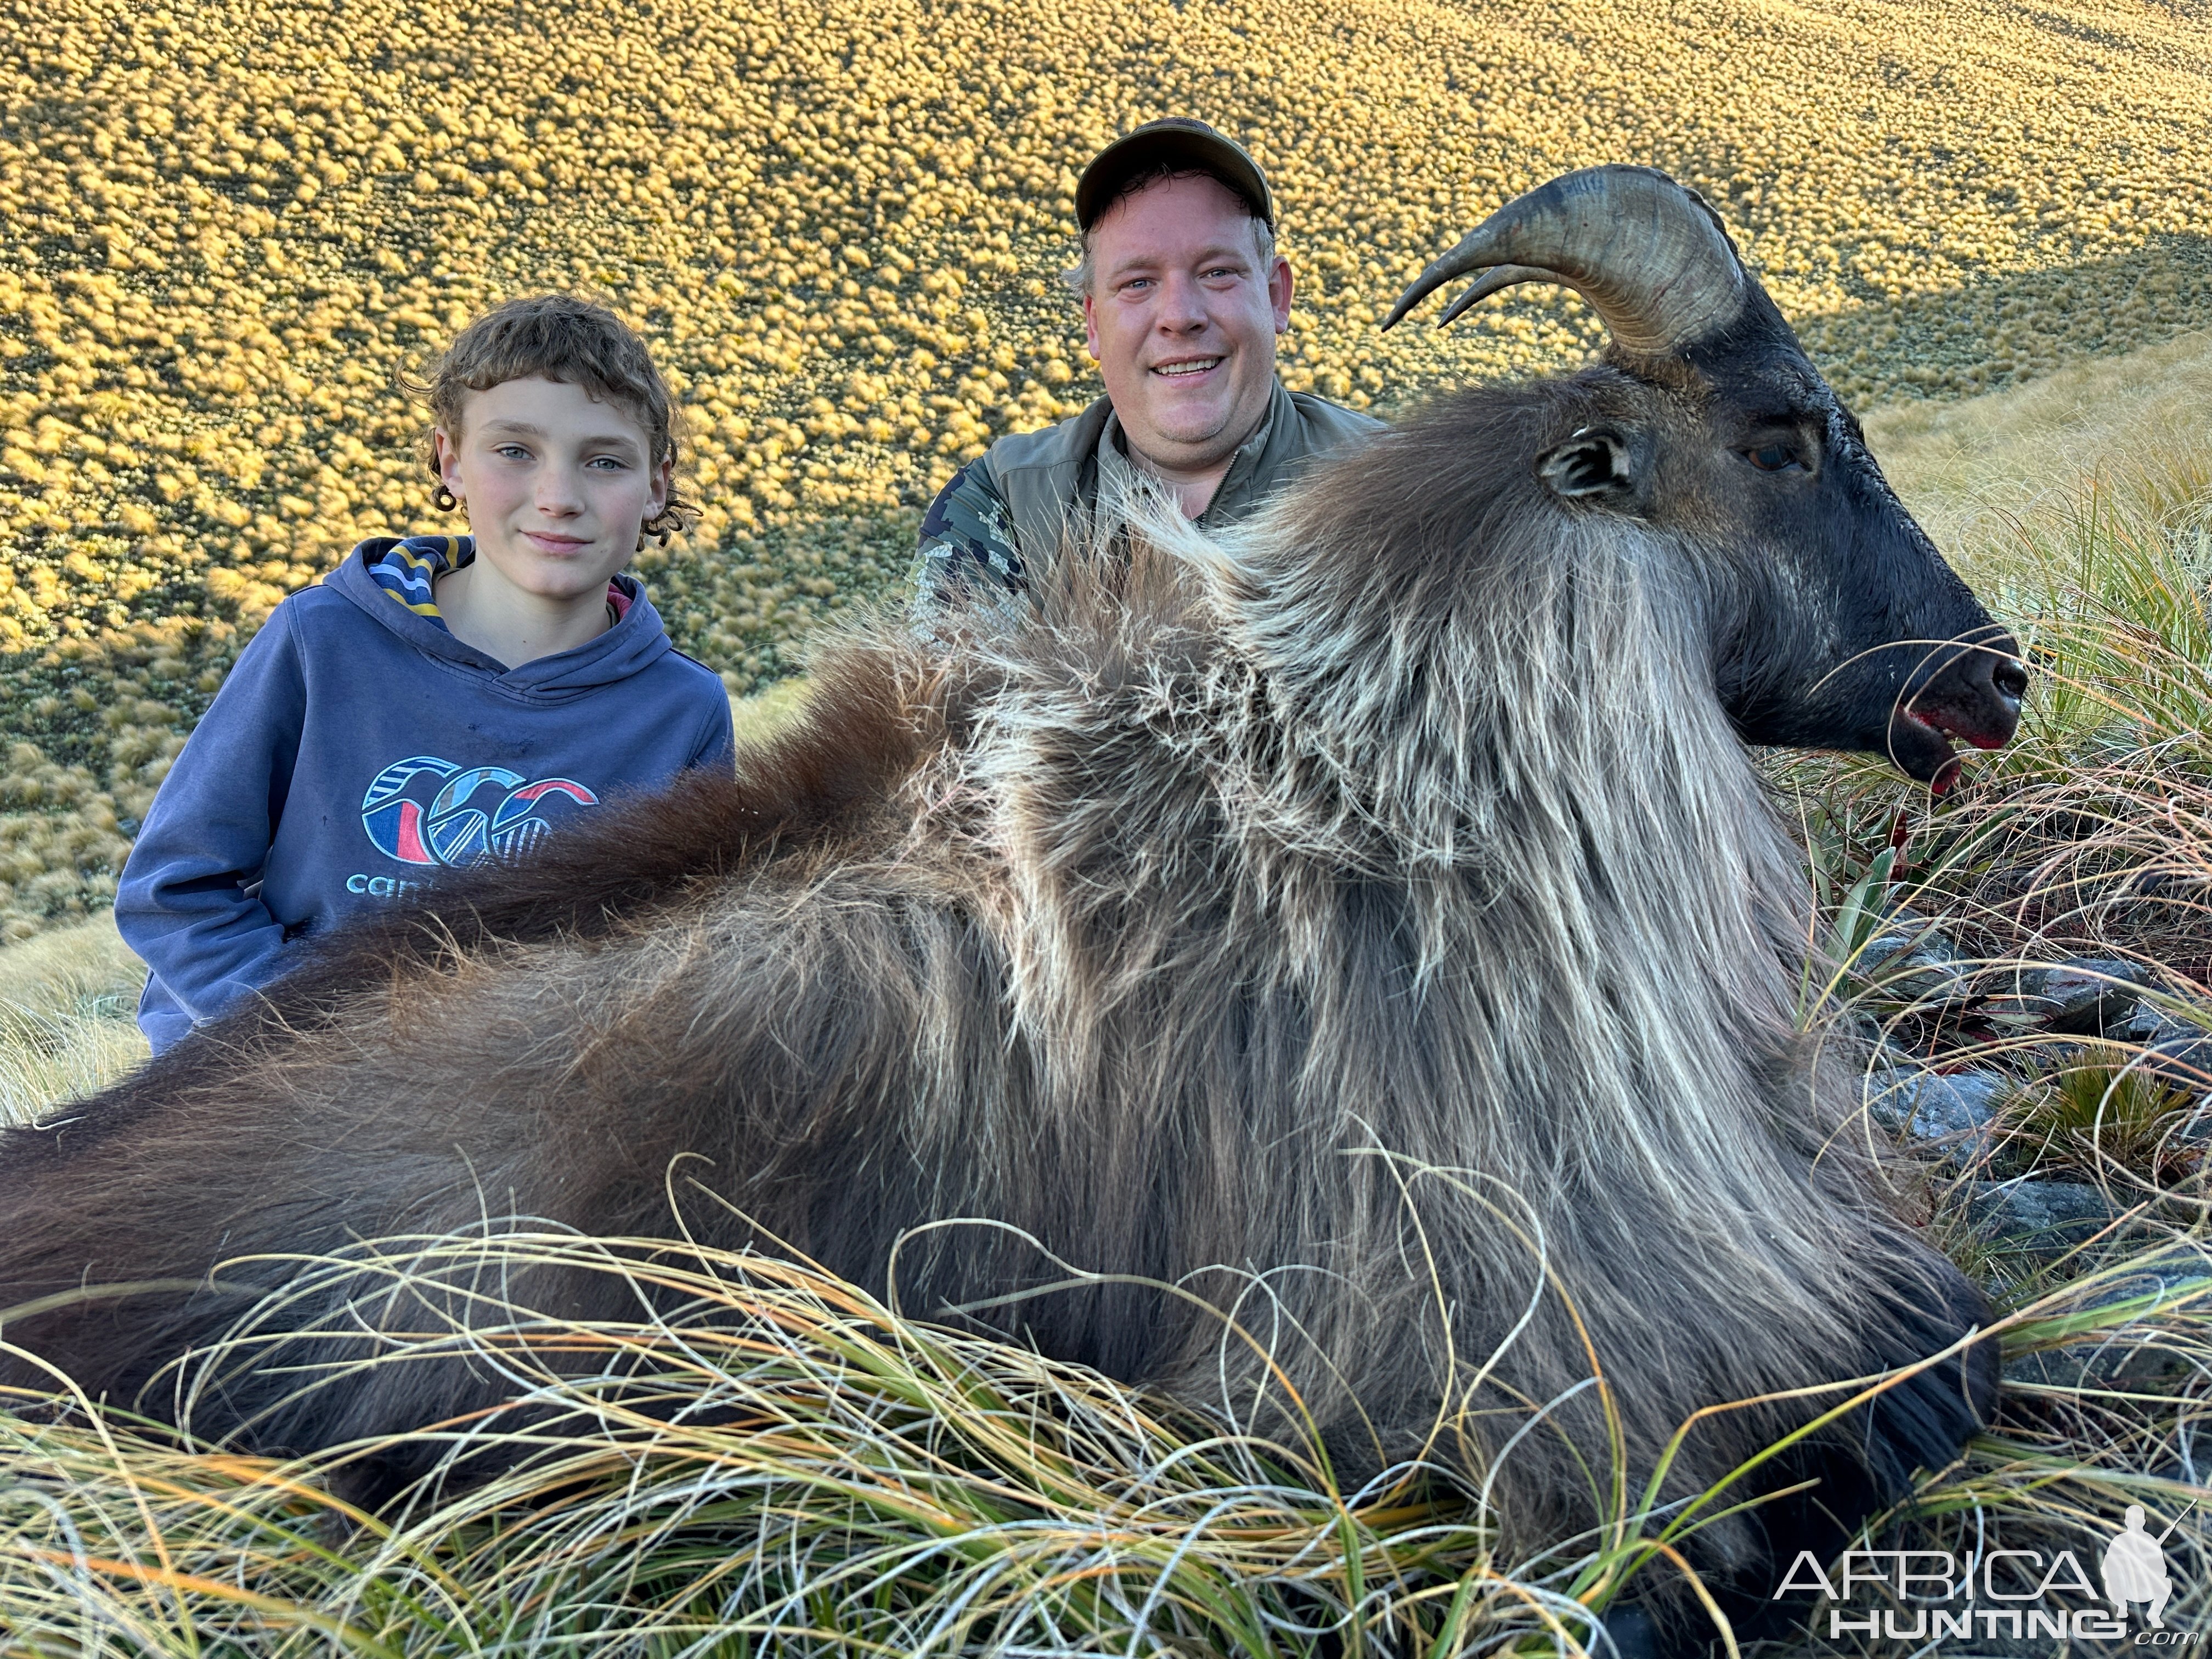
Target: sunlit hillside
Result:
[[230, 223], [229, 226], [1970, 468]]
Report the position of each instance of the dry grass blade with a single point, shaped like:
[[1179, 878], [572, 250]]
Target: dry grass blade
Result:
[[773, 1463], [777, 1464]]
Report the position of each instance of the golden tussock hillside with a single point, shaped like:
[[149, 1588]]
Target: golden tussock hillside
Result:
[[229, 223]]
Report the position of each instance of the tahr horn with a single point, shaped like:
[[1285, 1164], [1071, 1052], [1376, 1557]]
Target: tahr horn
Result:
[[1647, 253]]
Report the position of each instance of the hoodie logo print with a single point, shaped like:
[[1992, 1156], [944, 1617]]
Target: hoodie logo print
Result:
[[427, 810]]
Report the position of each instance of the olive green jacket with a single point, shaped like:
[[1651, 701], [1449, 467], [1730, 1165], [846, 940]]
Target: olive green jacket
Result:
[[1003, 516]]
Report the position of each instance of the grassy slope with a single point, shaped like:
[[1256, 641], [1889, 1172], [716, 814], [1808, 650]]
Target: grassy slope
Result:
[[839, 222], [1968, 469], [67, 1000]]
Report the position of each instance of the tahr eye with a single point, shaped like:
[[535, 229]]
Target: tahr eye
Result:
[[1772, 457]]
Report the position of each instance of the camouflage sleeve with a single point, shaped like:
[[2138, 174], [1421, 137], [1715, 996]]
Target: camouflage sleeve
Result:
[[966, 551]]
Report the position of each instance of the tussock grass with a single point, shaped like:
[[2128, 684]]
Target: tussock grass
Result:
[[2103, 1117], [69, 1004], [807, 1473], [779, 1464]]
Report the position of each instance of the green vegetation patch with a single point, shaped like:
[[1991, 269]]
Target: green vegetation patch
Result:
[[92, 725]]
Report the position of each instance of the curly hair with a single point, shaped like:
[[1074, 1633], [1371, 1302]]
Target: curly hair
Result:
[[562, 338]]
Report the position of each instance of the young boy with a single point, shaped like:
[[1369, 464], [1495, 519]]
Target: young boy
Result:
[[442, 699]]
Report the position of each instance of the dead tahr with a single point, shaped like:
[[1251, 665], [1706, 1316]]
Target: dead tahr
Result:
[[1354, 921]]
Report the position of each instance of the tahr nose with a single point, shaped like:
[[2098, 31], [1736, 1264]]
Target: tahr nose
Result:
[[1976, 695], [2009, 678], [1998, 673]]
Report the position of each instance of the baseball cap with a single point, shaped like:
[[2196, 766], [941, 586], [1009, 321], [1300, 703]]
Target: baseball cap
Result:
[[1178, 141]]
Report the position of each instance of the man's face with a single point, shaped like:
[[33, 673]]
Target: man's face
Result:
[[1182, 318]]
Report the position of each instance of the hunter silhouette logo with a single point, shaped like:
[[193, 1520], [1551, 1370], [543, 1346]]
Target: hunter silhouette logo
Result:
[[2135, 1568]]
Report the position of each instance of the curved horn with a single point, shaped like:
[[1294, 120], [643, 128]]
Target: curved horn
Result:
[[1648, 255]]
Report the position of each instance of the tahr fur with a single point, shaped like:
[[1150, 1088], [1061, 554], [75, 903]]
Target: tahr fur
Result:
[[1371, 924]]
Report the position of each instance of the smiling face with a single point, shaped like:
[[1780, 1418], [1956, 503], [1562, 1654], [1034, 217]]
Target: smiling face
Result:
[[557, 486], [1182, 318]]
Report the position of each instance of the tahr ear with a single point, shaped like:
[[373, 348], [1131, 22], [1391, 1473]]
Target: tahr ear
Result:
[[1595, 462]]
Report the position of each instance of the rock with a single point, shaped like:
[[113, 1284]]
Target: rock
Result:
[[2087, 996], [2146, 1022], [2185, 1062], [1920, 968], [2196, 1129], [2178, 1266], [2043, 1214], [2130, 1356], [1956, 1110], [2173, 1049], [2125, 1360]]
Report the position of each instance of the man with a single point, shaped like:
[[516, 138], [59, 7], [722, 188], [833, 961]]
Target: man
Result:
[[1183, 297]]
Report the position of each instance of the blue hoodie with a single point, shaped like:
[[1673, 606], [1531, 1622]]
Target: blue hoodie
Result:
[[357, 747]]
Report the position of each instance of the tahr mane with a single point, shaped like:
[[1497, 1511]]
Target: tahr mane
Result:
[[1522, 858]]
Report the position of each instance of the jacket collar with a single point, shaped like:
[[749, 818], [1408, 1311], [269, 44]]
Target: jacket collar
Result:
[[1246, 467]]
